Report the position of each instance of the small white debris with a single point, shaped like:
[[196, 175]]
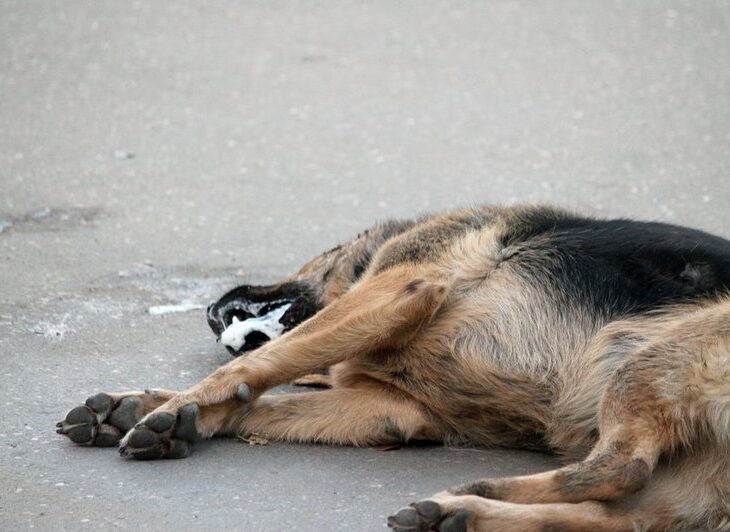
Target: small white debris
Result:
[[41, 214], [235, 335], [54, 330], [185, 306], [122, 155]]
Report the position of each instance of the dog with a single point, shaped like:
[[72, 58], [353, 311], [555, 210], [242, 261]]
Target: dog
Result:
[[606, 342]]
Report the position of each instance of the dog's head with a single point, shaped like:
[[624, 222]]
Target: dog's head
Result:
[[266, 312], [249, 316]]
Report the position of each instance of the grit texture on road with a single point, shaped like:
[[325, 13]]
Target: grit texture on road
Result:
[[160, 153]]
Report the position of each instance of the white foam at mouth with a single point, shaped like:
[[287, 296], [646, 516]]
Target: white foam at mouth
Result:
[[235, 334]]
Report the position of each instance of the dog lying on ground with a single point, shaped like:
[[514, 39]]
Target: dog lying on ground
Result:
[[607, 342]]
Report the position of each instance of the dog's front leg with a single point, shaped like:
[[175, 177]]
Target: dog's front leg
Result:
[[381, 312]]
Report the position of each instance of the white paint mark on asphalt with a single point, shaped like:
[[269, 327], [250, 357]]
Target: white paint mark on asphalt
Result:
[[185, 306]]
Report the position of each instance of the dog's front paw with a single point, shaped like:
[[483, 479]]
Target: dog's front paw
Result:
[[102, 420], [163, 434]]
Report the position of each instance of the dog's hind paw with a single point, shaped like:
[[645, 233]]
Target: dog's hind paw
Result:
[[428, 516], [162, 435], [102, 420]]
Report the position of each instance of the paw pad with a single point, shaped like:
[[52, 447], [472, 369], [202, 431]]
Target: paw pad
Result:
[[427, 516], [163, 435], [92, 424]]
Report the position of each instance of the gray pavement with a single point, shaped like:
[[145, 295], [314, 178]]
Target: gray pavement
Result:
[[162, 152]]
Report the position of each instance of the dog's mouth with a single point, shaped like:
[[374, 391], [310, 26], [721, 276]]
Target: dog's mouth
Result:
[[255, 325], [242, 324]]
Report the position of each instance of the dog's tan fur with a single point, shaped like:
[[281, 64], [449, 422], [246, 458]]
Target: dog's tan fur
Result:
[[441, 339]]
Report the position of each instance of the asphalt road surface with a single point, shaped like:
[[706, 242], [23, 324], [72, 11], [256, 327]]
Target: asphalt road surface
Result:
[[158, 153]]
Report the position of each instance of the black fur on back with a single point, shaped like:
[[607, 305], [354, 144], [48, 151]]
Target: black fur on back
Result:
[[617, 267]]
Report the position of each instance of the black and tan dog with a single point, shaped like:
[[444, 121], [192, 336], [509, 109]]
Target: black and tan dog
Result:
[[607, 342]]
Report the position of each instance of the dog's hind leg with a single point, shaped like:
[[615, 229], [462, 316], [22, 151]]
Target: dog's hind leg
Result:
[[621, 463], [470, 513], [381, 312], [673, 396]]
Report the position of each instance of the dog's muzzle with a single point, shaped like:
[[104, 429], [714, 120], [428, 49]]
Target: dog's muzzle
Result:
[[249, 316]]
